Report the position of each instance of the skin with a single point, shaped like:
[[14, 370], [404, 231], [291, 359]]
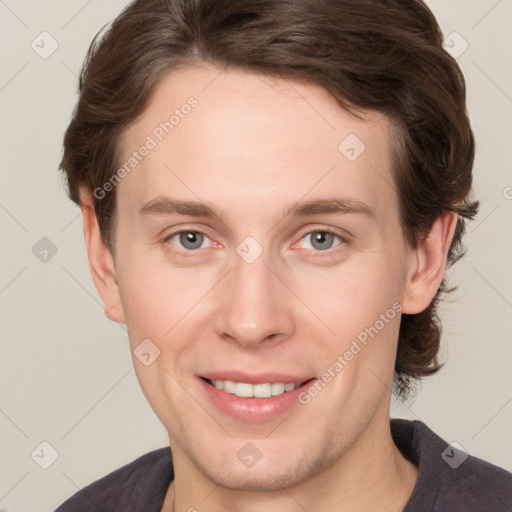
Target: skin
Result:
[[253, 147]]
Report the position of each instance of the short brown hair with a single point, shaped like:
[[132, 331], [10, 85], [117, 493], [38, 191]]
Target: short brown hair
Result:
[[384, 55]]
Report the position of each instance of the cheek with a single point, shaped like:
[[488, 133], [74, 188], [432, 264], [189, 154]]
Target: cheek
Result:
[[359, 309], [161, 302], [147, 297], [352, 296]]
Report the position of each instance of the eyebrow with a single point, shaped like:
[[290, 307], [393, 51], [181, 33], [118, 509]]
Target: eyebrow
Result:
[[163, 205]]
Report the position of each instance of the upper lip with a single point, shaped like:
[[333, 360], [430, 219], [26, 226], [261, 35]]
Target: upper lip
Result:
[[255, 378]]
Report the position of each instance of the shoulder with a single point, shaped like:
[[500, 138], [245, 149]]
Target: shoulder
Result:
[[141, 483], [448, 477]]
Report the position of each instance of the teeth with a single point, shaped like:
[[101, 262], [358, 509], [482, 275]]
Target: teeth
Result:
[[229, 386], [246, 390], [243, 390], [278, 388]]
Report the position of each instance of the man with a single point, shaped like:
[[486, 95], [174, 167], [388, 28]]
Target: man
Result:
[[271, 192]]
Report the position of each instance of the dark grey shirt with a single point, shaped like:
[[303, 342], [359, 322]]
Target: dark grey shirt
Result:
[[448, 479]]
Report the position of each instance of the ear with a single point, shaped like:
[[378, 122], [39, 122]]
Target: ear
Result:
[[428, 264], [101, 263]]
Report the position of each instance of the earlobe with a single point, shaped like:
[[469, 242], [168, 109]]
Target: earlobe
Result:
[[101, 263], [428, 264]]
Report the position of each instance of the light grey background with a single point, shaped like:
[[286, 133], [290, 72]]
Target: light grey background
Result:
[[66, 371]]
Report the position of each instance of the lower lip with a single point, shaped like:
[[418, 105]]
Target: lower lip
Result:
[[253, 409]]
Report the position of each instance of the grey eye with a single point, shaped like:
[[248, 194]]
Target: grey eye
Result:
[[321, 240], [190, 240]]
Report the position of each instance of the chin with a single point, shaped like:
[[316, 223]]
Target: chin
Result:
[[262, 466]]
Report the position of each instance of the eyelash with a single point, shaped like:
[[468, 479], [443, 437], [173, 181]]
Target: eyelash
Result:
[[317, 253]]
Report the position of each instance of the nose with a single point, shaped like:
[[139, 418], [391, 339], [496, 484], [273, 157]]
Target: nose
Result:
[[255, 307]]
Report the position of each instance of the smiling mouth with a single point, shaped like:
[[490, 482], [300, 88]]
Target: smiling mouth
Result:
[[247, 390]]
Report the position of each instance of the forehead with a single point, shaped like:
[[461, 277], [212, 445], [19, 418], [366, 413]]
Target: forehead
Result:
[[236, 136]]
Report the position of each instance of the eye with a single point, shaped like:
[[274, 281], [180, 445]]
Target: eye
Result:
[[322, 239], [189, 240]]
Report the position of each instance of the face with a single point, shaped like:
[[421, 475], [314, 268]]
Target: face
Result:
[[289, 268]]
